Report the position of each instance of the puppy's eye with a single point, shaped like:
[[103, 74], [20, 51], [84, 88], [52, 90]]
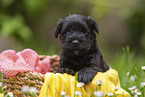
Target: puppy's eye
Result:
[[67, 33]]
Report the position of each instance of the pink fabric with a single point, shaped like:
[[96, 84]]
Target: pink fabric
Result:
[[44, 66], [27, 60]]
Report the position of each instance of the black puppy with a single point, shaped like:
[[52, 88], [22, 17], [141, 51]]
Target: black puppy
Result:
[[80, 51]]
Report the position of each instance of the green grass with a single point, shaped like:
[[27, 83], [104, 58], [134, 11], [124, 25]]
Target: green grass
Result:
[[128, 63]]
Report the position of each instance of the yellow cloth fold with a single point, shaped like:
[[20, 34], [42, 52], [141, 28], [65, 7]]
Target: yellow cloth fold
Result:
[[54, 84], [1, 95]]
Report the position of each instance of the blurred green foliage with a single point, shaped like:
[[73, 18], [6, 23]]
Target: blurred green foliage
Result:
[[15, 26], [32, 22], [133, 13]]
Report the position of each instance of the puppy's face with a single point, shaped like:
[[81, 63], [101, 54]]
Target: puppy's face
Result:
[[76, 34]]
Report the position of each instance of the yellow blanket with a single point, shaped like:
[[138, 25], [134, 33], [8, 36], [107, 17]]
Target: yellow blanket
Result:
[[1, 95], [54, 84]]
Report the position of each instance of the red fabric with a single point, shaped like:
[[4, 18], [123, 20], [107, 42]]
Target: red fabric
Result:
[[27, 60]]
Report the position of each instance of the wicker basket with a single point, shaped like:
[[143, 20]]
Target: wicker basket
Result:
[[14, 84]]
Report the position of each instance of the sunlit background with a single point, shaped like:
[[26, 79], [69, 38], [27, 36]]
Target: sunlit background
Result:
[[31, 24]]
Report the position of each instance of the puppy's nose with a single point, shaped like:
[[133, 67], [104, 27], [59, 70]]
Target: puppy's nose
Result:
[[75, 42]]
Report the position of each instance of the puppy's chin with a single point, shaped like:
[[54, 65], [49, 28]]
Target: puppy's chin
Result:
[[75, 53]]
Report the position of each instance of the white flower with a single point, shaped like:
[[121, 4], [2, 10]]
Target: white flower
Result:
[[138, 93], [4, 88], [33, 90], [110, 94], [135, 76], [10, 94], [98, 93], [135, 95], [128, 73], [78, 93], [132, 88], [106, 93], [142, 84], [99, 82], [67, 96], [116, 88], [0, 84], [132, 78], [143, 67], [25, 89], [62, 93], [132, 92], [135, 91], [80, 84]]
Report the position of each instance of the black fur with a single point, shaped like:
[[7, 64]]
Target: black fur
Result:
[[80, 51]]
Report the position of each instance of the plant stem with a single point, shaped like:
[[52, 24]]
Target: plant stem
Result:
[[123, 94], [99, 88], [144, 87], [76, 77], [82, 92], [57, 92], [96, 87]]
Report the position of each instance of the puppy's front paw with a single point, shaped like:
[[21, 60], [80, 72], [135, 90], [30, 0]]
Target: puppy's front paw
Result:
[[65, 70], [86, 75]]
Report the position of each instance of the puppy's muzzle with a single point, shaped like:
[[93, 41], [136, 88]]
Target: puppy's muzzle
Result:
[[75, 43]]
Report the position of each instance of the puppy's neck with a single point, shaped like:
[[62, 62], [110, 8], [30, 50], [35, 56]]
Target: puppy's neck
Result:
[[94, 45]]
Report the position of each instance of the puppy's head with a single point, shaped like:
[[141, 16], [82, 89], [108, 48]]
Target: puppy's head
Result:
[[77, 33]]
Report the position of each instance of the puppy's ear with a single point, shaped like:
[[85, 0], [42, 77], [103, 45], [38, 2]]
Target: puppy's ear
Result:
[[58, 27], [93, 24]]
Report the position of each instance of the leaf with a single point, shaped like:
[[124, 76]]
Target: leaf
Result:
[[6, 3], [11, 25], [15, 25], [25, 33]]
